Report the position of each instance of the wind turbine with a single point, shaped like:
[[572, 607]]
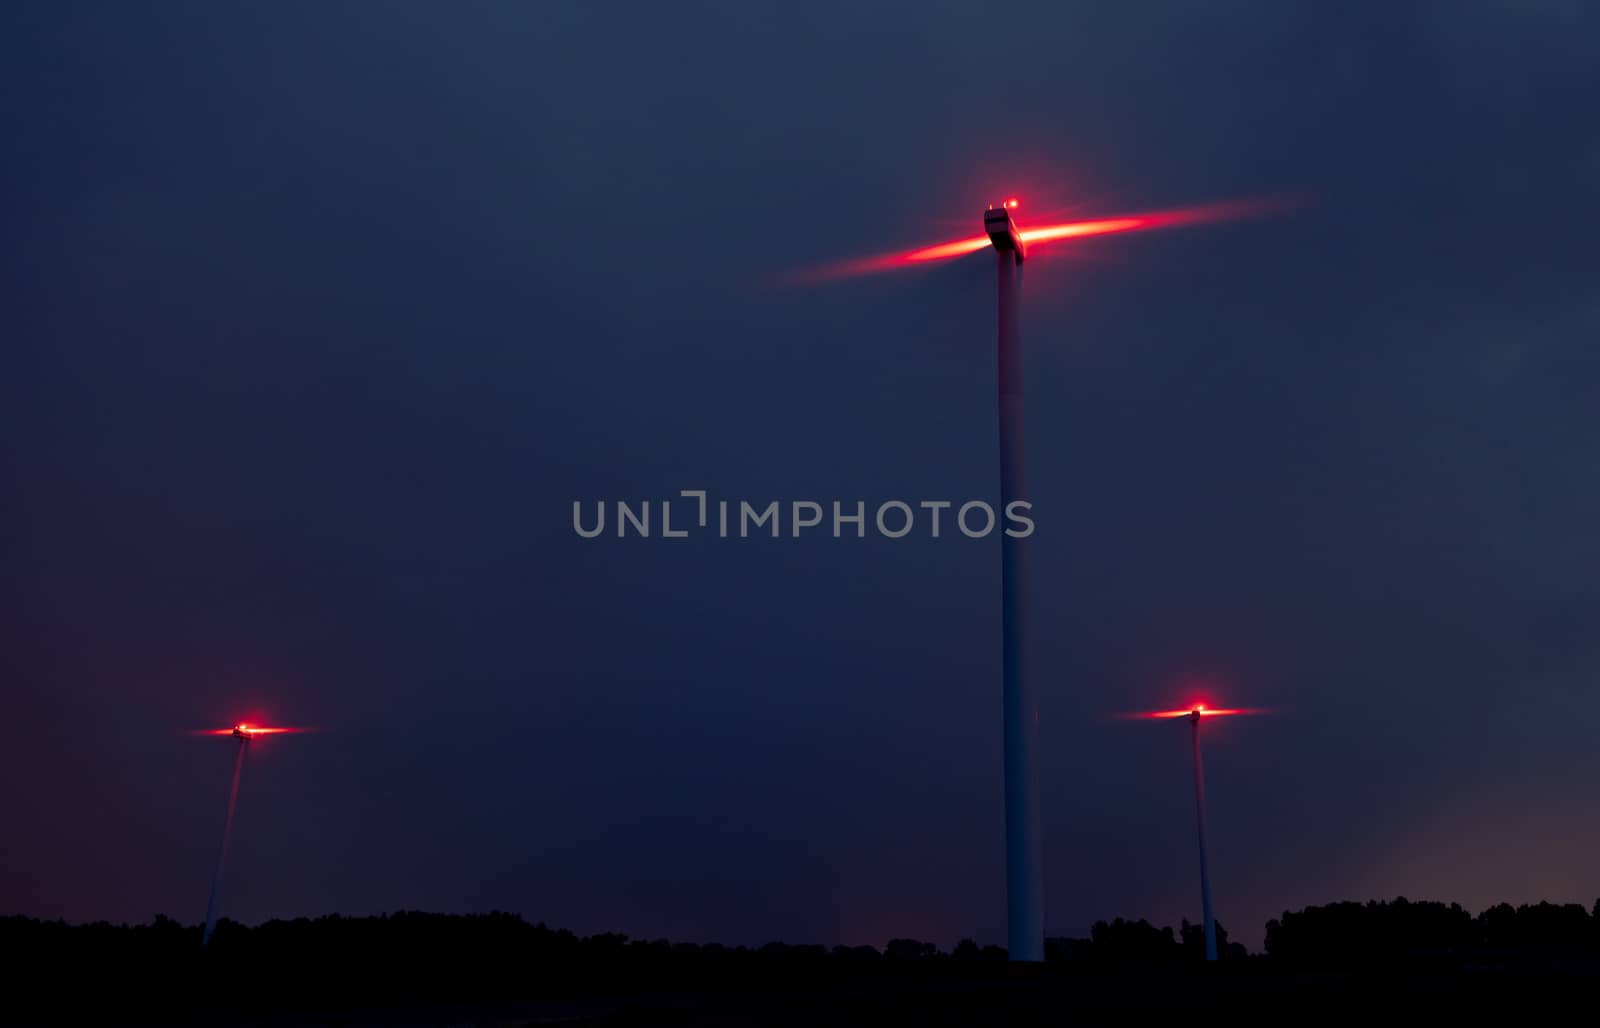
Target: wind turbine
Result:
[[1024, 851], [1194, 715], [243, 733]]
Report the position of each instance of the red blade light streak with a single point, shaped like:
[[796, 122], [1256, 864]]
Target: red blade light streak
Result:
[[1199, 708], [1173, 218], [1203, 711], [244, 728]]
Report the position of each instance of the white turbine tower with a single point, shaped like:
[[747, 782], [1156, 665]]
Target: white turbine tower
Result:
[[1024, 850]]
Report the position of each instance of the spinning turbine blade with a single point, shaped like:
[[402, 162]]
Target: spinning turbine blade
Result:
[[1199, 709], [1172, 218], [248, 729]]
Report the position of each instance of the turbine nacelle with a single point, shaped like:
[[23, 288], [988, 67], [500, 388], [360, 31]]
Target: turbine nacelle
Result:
[[1003, 231]]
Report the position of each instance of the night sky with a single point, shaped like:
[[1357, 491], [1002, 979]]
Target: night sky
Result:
[[318, 317]]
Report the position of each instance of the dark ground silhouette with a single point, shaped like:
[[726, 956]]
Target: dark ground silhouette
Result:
[[416, 968]]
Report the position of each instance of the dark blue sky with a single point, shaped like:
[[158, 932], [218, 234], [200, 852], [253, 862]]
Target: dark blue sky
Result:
[[319, 316]]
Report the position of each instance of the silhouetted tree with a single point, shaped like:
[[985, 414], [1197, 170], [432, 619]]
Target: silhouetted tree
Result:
[[1541, 932], [910, 949], [1355, 934], [1058, 949], [1132, 941], [1192, 939]]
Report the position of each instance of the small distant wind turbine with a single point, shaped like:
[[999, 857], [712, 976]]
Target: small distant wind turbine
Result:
[[243, 733], [1195, 715]]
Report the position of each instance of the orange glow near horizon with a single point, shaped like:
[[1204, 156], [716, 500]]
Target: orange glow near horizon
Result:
[[1172, 218]]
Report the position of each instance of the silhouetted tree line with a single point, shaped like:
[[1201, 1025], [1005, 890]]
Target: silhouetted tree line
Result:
[[1347, 935], [1140, 942], [488, 940], [408, 957], [1338, 934]]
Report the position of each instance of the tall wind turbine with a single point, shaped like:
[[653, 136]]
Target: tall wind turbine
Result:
[[1024, 850], [1020, 716], [243, 733]]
